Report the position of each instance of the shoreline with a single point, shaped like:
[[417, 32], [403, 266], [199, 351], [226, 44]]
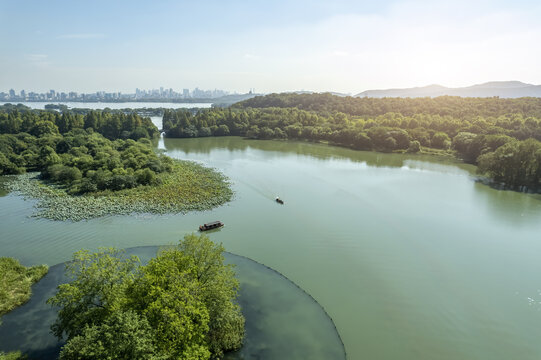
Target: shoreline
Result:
[[191, 187]]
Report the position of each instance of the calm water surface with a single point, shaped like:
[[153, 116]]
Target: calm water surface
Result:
[[113, 106], [282, 321], [409, 255]]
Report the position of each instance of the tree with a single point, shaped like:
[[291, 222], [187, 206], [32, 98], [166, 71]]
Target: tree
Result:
[[414, 147], [96, 291], [190, 284], [223, 130], [517, 164], [13, 355], [181, 305], [124, 335], [42, 128], [389, 144], [219, 290], [362, 142], [441, 140], [462, 144], [166, 295], [48, 157]]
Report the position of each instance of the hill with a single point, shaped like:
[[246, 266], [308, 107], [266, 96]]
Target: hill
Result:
[[503, 89]]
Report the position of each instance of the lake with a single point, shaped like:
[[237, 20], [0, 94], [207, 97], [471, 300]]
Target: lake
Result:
[[113, 106], [282, 321], [409, 255]]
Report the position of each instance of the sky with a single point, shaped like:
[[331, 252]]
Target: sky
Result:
[[273, 46]]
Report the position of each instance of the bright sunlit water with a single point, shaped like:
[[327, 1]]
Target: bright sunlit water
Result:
[[410, 256]]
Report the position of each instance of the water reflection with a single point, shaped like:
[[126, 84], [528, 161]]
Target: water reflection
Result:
[[312, 150], [400, 249], [3, 190], [511, 207]]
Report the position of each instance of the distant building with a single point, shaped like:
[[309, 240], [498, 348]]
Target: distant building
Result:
[[140, 94]]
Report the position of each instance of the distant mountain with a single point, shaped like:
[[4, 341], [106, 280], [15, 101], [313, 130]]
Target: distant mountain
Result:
[[503, 89], [339, 94], [302, 92], [231, 99]]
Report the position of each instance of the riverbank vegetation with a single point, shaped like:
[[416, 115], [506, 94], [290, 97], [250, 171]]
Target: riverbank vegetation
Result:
[[16, 281], [12, 355], [181, 305], [468, 128], [85, 173]]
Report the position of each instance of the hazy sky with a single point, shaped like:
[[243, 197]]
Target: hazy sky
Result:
[[272, 46]]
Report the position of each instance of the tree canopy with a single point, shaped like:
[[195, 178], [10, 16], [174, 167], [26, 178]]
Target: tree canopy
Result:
[[181, 305], [85, 153], [467, 127]]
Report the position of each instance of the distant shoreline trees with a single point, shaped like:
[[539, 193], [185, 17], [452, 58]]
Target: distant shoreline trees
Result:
[[467, 127]]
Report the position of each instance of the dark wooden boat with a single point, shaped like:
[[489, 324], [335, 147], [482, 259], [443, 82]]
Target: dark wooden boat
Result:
[[211, 225], [279, 201]]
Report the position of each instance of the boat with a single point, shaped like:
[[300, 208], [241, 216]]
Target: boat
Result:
[[211, 225], [279, 201]]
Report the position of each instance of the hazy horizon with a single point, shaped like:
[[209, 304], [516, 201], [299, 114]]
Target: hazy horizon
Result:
[[286, 91], [345, 47]]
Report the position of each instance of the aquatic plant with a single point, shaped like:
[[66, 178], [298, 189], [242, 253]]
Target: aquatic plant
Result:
[[188, 187], [15, 282]]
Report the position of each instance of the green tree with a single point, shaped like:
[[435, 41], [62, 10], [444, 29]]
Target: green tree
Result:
[[97, 290], [48, 157], [124, 336], [181, 305], [13, 355], [223, 130], [219, 290], [441, 140], [42, 128], [169, 299], [517, 164], [414, 147]]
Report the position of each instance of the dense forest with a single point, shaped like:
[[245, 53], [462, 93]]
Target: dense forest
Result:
[[471, 128], [454, 106], [15, 119], [76, 151]]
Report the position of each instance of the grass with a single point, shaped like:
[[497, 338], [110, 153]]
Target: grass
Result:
[[438, 152], [189, 187], [15, 355], [16, 281]]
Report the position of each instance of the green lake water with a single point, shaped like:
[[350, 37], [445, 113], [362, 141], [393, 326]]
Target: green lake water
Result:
[[409, 255], [282, 321]]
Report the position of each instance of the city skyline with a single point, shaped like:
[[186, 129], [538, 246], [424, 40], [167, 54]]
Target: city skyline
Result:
[[138, 94], [345, 46]]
